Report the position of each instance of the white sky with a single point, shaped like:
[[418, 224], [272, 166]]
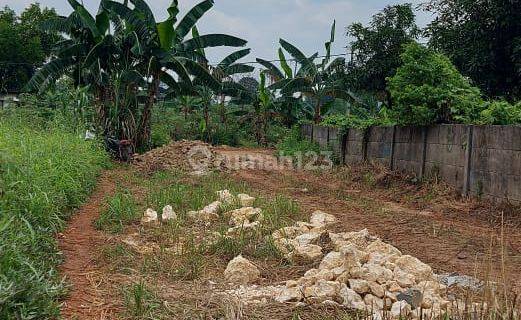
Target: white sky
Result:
[[305, 23]]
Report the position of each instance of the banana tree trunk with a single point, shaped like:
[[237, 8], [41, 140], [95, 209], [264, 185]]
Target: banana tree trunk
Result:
[[145, 127], [318, 113]]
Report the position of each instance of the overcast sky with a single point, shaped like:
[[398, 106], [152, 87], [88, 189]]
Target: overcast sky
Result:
[[305, 23]]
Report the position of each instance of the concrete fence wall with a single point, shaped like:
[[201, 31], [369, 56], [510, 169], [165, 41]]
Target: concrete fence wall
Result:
[[478, 160]]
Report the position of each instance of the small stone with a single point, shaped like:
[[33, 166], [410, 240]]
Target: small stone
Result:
[[393, 286], [225, 196], [412, 296], [383, 248], [376, 289], [289, 294], [404, 279], [352, 256], [285, 246], [241, 271], [308, 238], [325, 274], [378, 273], [242, 215], [246, 200], [305, 254], [332, 260], [150, 216], [323, 290], [373, 303], [351, 299], [244, 228], [320, 218], [400, 309], [289, 232], [412, 265], [212, 208], [168, 213], [291, 283], [359, 286]]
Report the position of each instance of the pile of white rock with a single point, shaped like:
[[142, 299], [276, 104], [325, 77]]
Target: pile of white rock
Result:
[[244, 219], [151, 216], [353, 269]]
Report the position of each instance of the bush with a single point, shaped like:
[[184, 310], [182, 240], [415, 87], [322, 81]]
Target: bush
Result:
[[294, 144], [44, 174], [500, 113], [428, 89]]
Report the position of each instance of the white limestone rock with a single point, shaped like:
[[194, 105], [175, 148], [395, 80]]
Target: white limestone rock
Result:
[[359, 286], [149, 217], [168, 214], [241, 271], [305, 254], [243, 215], [400, 309], [246, 200], [351, 299], [412, 265], [225, 196], [332, 260], [320, 219]]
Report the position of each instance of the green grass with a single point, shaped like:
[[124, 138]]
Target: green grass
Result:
[[44, 174], [121, 209]]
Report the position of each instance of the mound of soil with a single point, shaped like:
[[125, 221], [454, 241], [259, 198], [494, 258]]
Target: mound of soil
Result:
[[188, 156]]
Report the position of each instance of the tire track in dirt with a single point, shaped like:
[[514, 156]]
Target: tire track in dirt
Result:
[[79, 244]]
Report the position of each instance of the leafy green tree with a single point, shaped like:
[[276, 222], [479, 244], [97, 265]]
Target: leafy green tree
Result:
[[23, 45], [376, 48], [483, 39], [429, 89], [126, 64]]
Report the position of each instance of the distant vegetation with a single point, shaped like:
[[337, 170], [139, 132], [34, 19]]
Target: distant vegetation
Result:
[[124, 75]]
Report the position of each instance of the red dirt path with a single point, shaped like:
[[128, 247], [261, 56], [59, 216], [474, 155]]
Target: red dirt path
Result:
[[78, 244]]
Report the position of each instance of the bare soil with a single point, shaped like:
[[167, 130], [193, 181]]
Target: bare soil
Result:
[[431, 222], [79, 243]]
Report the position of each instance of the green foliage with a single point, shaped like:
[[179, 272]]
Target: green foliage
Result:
[[23, 45], [428, 89], [377, 47], [483, 39], [121, 209], [294, 144], [45, 172], [501, 113]]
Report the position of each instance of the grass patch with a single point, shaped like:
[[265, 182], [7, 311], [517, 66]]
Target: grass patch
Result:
[[44, 174], [121, 209]]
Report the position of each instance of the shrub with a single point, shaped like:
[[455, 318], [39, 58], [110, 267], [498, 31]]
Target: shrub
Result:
[[428, 89], [44, 174], [500, 113], [294, 144]]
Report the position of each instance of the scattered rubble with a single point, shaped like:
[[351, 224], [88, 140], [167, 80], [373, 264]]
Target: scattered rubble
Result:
[[355, 270], [361, 272]]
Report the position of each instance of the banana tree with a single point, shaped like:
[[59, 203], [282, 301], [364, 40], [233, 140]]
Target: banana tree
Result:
[[162, 49], [133, 58], [262, 102], [187, 104], [224, 71], [317, 83]]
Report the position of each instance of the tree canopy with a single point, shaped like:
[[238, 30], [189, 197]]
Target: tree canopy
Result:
[[483, 39], [23, 45], [376, 48]]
